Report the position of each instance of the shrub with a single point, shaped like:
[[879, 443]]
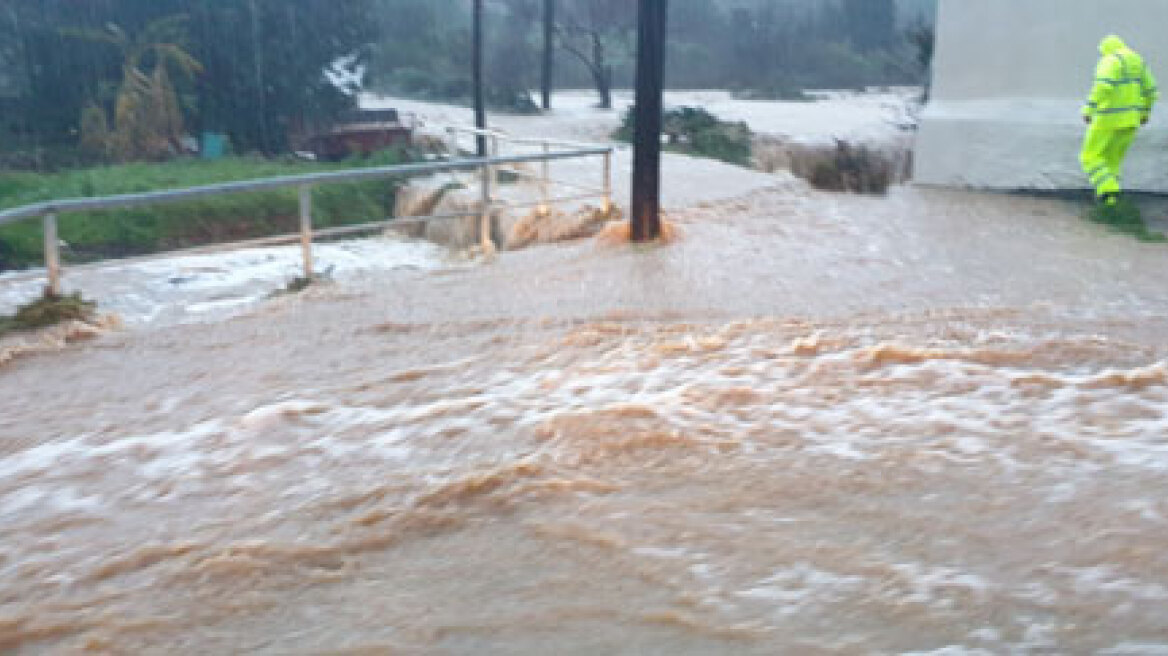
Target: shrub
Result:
[[412, 82], [1125, 217], [855, 169], [695, 131], [48, 310], [774, 91]]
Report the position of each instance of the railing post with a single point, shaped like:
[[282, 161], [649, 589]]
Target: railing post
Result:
[[452, 143], [608, 182], [545, 181], [306, 229], [488, 245], [52, 255]]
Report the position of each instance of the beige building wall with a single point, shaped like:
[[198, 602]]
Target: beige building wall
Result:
[[1009, 81]]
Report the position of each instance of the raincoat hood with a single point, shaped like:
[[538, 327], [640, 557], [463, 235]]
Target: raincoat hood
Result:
[[1111, 45]]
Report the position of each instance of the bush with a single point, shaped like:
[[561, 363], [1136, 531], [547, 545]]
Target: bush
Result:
[[695, 131], [855, 169], [1125, 217], [414, 83], [49, 310], [779, 91], [837, 66]]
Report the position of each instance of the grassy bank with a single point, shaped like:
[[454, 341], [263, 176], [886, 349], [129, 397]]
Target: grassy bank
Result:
[[96, 235]]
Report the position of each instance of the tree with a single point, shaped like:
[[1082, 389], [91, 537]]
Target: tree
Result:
[[421, 36], [148, 118], [698, 45], [549, 52], [591, 30], [922, 37], [871, 23], [264, 61], [513, 67], [425, 48]]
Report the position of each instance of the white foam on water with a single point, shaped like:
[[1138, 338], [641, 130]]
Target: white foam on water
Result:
[[193, 288], [928, 583], [793, 587], [1136, 649], [1106, 579], [952, 650]]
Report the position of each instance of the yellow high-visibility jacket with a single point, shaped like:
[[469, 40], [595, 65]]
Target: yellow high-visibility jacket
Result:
[[1125, 90]]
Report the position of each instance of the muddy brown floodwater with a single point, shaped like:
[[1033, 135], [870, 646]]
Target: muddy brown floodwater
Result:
[[931, 423]]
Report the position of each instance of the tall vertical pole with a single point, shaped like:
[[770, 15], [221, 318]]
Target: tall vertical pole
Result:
[[549, 52], [651, 23], [477, 64]]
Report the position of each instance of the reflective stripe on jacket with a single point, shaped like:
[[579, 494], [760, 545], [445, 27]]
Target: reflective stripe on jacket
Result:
[[1125, 90]]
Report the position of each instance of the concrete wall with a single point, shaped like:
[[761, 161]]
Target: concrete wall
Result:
[[1010, 78]]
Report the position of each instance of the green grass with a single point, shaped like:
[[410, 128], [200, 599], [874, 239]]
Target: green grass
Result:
[[1125, 218], [94, 235]]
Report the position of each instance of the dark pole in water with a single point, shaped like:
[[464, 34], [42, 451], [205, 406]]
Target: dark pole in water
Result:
[[651, 22], [477, 64], [549, 37]]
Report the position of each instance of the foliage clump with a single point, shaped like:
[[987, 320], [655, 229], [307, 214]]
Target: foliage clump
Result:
[[854, 169], [147, 115], [774, 91], [695, 131], [49, 310], [457, 88], [298, 284], [1125, 217], [144, 75]]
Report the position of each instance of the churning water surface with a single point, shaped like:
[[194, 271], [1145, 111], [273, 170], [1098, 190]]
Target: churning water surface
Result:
[[932, 423]]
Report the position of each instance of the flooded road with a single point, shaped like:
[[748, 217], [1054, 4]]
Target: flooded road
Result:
[[932, 423]]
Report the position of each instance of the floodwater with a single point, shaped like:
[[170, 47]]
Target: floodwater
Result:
[[202, 286], [934, 423]]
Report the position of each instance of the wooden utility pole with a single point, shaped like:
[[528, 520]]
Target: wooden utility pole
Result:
[[651, 23], [477, 74], [549, 49]]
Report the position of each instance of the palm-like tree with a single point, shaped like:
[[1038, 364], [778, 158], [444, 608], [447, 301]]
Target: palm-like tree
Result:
[[148, 120]]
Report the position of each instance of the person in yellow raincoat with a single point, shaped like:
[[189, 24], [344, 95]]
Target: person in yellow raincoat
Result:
[[1121, 101]]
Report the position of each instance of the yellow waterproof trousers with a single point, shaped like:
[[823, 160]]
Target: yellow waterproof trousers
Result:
[[1104, 150]]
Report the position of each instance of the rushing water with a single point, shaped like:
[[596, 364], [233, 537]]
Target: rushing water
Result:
[[583, 450], [209, 286]]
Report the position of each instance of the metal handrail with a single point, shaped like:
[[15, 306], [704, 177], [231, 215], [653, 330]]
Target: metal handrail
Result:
[[530, 141], [49, 210], [264, 184]]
